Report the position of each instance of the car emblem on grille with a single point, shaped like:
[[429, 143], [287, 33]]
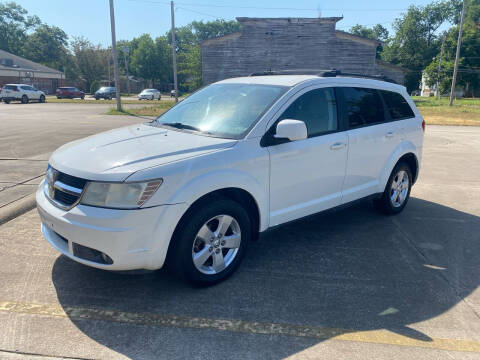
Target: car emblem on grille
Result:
[[51, 178]]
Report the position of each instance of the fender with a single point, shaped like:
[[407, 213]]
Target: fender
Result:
[[403, 148], [221, 179]]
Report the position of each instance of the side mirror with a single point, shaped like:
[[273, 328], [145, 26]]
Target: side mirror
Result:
[[292, 130]]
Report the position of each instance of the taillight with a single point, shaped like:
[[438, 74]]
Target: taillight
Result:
[[423, 125]]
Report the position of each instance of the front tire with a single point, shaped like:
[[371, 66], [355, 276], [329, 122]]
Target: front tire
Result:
[[397, 192], [210, 242], [42, 99]]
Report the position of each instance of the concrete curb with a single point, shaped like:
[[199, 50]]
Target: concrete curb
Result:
[[17, 208]]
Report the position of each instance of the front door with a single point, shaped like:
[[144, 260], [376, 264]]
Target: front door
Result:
[[306, 176]]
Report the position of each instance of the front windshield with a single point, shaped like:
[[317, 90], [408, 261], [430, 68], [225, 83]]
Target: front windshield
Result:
[[223, 110]]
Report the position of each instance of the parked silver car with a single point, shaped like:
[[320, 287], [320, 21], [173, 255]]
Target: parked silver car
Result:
[[149, 94]]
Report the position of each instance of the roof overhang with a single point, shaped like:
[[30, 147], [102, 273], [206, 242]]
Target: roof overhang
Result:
[[290, 20]]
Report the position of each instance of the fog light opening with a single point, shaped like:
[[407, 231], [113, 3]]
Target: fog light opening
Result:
[[107, 259]]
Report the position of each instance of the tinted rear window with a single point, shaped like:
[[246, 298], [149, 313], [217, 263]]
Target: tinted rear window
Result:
[[10, 87], [364, 107], [397, 106]]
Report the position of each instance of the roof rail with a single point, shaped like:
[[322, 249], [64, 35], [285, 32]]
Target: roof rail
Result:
[[288, 72], [335, 73], [322, 73]]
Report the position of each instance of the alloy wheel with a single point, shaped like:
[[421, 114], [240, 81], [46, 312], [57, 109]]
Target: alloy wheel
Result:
[[216, 244], [399, 188]]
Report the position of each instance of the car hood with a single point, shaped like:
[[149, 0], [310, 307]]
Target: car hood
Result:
[[114, 155]]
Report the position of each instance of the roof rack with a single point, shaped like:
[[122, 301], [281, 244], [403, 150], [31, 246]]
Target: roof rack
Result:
[[323, 73], [335, 73], [289, 72]]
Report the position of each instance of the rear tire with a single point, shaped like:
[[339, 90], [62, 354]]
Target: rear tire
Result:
[[24, 99], [6, 101], [397, 192], [216, 234]]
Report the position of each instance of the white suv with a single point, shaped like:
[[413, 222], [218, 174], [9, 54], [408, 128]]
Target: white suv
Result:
[[192, 188], [21, 92]]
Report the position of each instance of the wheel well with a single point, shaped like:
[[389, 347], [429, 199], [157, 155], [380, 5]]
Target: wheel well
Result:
[[411, 160], [241, 196]]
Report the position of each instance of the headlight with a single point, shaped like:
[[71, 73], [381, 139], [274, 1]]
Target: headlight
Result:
[[119, 195]]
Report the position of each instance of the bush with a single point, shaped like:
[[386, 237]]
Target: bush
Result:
[[94, 86]]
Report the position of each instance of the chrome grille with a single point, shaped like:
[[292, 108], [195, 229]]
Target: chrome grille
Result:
[[63, 190]]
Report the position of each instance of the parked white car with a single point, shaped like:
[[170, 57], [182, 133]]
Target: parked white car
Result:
[[192, 188], [149, 94], [21, 92]]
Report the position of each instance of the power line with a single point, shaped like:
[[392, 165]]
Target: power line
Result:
[[264, 7], [198, 12]]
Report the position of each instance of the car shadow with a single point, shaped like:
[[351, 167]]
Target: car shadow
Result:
[[351, 269]]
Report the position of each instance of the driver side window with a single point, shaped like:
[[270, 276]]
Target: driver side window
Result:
[[317, 109]]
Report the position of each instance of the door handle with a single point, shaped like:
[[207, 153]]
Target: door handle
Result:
[[337, 146], [390, 134]]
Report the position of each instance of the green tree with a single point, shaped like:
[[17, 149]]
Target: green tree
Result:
[[416, 41], [46, 45], [377, 32], [469, 62], [188, 39], [150, 59], [14, 24], [90, 60], [190, 68]]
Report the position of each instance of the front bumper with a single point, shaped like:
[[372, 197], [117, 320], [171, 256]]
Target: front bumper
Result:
[[132, 239]]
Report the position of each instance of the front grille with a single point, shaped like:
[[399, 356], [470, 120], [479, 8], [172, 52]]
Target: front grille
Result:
[[65, 190], [65, 198], [71, 180]]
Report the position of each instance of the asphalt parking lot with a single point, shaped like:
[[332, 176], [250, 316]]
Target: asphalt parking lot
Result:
[[350, 284], [29, 133]]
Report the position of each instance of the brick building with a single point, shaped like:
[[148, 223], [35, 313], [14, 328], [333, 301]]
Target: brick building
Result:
[[15, 69], [291, 43]]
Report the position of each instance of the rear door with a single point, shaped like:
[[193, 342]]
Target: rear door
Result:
[[372, 137], [306, 176], [10, 91]]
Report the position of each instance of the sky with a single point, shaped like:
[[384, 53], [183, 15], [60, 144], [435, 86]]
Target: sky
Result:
[[91, 19]]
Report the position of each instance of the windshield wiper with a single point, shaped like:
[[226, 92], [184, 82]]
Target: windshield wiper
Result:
[[179, 125]]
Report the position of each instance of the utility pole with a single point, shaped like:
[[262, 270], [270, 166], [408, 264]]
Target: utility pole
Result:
[[440, 66], [108, 64], [174, 52], [125, 50], [115, 57], [459, 45]]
